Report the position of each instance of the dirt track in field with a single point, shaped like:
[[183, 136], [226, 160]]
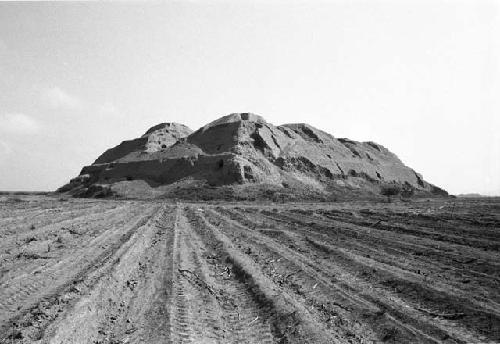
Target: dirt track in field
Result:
[[88, 271]]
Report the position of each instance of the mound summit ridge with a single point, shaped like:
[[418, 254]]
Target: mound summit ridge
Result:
[[241, 156]]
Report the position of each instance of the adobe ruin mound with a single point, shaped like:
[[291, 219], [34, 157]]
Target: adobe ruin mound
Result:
[[241, 156]]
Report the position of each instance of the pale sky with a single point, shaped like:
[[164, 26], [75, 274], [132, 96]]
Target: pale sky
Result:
[[419, 77]]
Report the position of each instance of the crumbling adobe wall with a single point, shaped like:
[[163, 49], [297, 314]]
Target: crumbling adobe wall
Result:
[[217, 169]]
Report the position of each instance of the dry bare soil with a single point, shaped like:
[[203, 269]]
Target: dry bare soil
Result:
[[97, 271]]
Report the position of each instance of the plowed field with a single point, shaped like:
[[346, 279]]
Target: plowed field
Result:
[[97, 271]]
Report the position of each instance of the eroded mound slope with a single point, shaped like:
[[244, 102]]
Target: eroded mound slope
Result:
[[243, 156]]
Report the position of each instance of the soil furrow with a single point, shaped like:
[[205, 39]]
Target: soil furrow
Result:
[[289, 320], [478, 314], [62, 283], [126, 271], [373, 251], [362, 306]]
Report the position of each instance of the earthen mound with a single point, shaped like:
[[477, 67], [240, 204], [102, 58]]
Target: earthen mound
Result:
[[242, 156]]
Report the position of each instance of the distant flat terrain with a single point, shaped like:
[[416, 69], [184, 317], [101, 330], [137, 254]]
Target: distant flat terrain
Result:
[[102, 271]]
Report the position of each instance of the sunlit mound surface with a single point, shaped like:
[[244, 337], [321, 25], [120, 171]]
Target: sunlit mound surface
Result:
[[243, 157]]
